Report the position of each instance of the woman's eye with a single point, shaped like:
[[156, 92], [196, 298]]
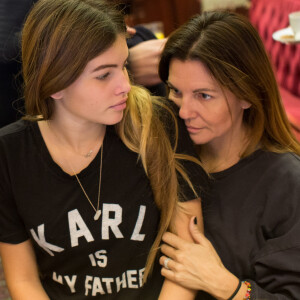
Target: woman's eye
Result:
[[104, 76], [175, 92], [203, 96]]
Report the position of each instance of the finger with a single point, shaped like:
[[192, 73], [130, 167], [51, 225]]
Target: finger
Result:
[[174, 241], [167, 263], [197, 236], [168, 250], [169, 274], [130, 30]]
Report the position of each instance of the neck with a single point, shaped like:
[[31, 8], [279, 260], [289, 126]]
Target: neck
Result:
[[217, 157], [79, 138]]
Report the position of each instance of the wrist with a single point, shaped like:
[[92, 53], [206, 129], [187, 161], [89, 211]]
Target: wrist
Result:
[[236, 291], [225, 285], [233, 289]]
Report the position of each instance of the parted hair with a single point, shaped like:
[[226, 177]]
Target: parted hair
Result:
[[233, 52], [59, 38]]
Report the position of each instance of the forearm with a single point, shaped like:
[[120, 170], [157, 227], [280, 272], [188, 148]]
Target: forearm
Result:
[[21, 272], [170, 289], [27, 290], [173, 291]]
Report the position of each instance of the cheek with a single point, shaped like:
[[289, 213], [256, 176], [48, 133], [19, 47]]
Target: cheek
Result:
[[213, 113], [220, 119]]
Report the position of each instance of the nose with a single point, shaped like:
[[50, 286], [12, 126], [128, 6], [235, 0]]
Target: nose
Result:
[[124, 85], [186, 109]]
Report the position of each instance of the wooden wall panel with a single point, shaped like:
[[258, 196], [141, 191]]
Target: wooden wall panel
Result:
[[172, 13], [185, 9]]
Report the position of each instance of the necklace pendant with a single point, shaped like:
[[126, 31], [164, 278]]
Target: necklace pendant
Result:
[[88, 154], [97, 215]]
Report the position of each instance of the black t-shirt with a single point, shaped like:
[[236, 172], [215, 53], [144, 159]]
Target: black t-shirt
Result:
[[252, 217], [78, 257]]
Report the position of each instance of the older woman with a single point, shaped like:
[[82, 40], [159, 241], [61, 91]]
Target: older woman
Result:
[[219, 75]]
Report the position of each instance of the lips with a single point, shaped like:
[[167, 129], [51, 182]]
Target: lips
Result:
[[121, 105], [192, 129]]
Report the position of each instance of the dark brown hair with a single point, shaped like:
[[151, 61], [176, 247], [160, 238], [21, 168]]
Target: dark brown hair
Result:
[[232, 50]]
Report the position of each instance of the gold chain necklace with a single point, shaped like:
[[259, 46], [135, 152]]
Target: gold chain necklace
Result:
[[87, 155], [97, 210]]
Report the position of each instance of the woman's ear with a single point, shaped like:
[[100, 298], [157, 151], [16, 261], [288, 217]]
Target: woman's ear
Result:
[[245, 104], [57, 95]]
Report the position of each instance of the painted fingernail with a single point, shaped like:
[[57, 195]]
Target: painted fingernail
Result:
[[195, 220]]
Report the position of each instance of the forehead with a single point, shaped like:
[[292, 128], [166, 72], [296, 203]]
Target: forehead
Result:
[[192, 71], [117, 53]]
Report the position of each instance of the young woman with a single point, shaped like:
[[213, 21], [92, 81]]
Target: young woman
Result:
[[219, 75], [88, 181]]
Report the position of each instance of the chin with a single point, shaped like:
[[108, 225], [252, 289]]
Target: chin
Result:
[[115, 120], [199, 140]]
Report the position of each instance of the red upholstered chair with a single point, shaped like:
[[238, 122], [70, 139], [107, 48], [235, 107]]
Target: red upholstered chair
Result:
[[269, 16]]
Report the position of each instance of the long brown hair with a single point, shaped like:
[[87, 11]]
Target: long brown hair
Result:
[[232, 50], [59, 38]]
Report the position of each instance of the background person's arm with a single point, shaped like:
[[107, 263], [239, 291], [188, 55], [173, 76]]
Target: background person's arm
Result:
[[144, 59]]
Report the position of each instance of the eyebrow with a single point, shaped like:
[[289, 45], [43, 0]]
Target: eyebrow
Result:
[[101, 67], [194, 91], [104, 67]]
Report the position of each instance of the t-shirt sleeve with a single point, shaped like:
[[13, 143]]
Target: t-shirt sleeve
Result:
[[195, 172], [277, 272], [12, 229], [276, 267]]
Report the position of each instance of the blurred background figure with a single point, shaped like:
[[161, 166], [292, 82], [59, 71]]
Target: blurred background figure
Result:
[[145, 50], [12, 15]]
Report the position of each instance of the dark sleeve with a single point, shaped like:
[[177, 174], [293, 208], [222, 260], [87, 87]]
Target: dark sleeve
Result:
[[277, 265], [195, 172], [142, 34], [278, 273], [12, 229]]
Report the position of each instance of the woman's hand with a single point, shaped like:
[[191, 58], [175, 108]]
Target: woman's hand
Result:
[[196, 265]]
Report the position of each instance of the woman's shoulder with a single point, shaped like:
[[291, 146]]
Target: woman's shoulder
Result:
[[263, 166], [18, 134], [281, 163], [278, 176], [14, 129]]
